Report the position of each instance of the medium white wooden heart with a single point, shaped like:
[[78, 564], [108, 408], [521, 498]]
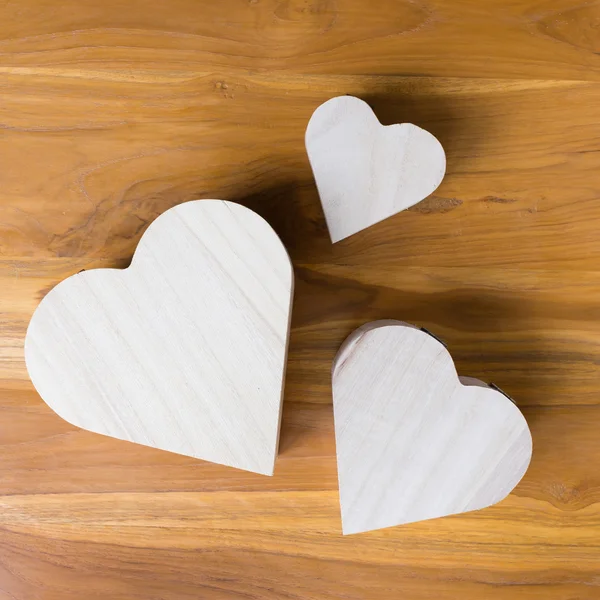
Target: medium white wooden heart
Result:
[[414, 441], [185, 350], [366, 172]]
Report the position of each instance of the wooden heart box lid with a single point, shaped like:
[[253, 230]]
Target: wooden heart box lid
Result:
[[413, 440], [366, 172], [185, 350]]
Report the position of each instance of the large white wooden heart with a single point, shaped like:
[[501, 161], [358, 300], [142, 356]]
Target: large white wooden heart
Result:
[[366, 172], [185, 350], [414, 441]]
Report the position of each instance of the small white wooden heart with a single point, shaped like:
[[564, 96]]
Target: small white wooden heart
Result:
[[366, 172], [185, 350], [414, 441]]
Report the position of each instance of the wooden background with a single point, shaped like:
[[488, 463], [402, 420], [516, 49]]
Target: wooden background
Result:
[[112, 112]]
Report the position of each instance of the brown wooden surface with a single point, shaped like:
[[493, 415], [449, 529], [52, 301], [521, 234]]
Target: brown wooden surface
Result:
[[111, 112]]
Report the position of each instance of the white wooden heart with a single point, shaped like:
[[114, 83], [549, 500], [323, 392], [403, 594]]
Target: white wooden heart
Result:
[[414, 441], [366, 172], [185, 350]]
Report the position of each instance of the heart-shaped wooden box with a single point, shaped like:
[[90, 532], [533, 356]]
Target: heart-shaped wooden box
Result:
[[185, 350], [366, 172], [414, 441]]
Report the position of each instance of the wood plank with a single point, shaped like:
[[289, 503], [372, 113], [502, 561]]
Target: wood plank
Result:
[[44, 455], [521, 38], [130, 574], [520, 176], [534, 332]]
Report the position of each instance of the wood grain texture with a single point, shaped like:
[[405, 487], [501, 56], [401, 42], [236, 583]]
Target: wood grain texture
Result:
[[111, 116], [185, 349], [415, 441], [366, 172]]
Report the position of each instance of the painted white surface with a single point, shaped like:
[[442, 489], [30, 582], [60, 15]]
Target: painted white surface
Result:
[[366, 172], [185, 350], [413, 441]]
